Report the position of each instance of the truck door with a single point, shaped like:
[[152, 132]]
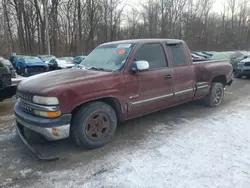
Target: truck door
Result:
[[155, 86], [182, 72]]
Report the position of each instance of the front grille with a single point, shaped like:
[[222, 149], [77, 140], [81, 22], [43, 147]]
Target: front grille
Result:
[[247, 64], [24, 96], [24, 107]]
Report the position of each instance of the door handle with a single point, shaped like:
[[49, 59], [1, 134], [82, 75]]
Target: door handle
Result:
[[168, 76]]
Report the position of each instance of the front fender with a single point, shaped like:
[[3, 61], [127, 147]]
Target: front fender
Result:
[[76, 99]]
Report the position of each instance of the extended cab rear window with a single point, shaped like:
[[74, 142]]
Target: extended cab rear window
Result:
[[178, 54]]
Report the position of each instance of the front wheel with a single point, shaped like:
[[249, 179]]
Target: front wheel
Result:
[[94, 125], [216, 95]]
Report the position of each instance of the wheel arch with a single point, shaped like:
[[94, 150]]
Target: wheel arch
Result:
[[220, 79], [112, 101]]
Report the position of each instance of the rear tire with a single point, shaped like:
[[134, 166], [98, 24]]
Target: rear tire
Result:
[[216, 95], [94, 125]]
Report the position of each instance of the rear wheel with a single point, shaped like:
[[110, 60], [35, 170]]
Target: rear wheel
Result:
[[94, 125], [216, 95]]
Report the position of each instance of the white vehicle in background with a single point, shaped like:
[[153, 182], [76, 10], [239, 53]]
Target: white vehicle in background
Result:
[[46, 58], [243, 68], [56, 63]]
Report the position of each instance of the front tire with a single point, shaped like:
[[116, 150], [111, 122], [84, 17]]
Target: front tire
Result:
[[94, 125], [216, 95]]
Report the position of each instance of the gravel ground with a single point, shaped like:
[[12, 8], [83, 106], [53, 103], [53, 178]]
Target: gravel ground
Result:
[[186, 146]]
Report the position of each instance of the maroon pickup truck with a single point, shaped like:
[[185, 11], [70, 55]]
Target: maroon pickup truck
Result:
[[117, 81]]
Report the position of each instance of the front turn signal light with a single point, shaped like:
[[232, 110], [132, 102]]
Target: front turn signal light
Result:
[[47, 114]]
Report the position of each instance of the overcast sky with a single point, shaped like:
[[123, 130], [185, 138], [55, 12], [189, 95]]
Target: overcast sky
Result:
[[217, 5]]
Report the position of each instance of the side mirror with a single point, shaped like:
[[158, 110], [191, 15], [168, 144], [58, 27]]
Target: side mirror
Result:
[[140, 66]]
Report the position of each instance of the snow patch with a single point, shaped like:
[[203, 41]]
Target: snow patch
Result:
[[7, 136], [203, 152], [25, 172]]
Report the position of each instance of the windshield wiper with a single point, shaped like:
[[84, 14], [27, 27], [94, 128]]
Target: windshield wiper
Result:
[[99, 69]]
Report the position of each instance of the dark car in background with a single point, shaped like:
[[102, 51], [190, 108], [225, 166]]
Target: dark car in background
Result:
[[78, 59], [30, 65], [59, 63], [5, 76], [13, 59], [6, 88], [46, 58], [8, 64]]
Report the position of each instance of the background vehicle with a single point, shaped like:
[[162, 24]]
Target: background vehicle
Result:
[[30, 65], [78, 59], [46, 58], [5, 76], [8, 64], [59, 63], [6, 90], [13, 59], [210, 54], [201, 54], [119, 81], [235, 58], [242, 68], [221, 56], [68, 59], [196, 57]]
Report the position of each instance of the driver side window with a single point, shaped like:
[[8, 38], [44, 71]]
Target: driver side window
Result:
[[153, 54]]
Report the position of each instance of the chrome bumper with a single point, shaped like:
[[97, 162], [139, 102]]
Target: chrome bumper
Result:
[[54, 133]]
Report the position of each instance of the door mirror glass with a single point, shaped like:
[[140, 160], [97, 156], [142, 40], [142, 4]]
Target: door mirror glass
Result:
[[140, 66]]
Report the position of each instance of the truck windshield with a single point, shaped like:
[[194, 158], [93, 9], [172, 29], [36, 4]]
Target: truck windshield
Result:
[[108, 57]]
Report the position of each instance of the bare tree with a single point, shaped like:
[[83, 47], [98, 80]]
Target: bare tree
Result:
[[77, 26]]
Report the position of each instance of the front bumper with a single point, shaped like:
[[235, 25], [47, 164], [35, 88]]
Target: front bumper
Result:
[[51, 129], [26, 142], [244, 71]]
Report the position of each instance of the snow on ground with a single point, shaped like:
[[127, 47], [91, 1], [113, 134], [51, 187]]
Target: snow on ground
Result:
[[202, 152]]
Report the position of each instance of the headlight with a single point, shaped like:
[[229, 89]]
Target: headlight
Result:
[[45, 100], [47, 114]]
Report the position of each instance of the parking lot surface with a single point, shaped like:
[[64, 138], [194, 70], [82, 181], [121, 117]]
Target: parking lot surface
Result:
[[190, 145]]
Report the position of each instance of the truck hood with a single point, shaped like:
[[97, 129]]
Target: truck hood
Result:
[[45, 83]]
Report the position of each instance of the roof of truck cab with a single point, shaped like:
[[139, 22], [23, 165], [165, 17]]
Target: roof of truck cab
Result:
[[142, 41]]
